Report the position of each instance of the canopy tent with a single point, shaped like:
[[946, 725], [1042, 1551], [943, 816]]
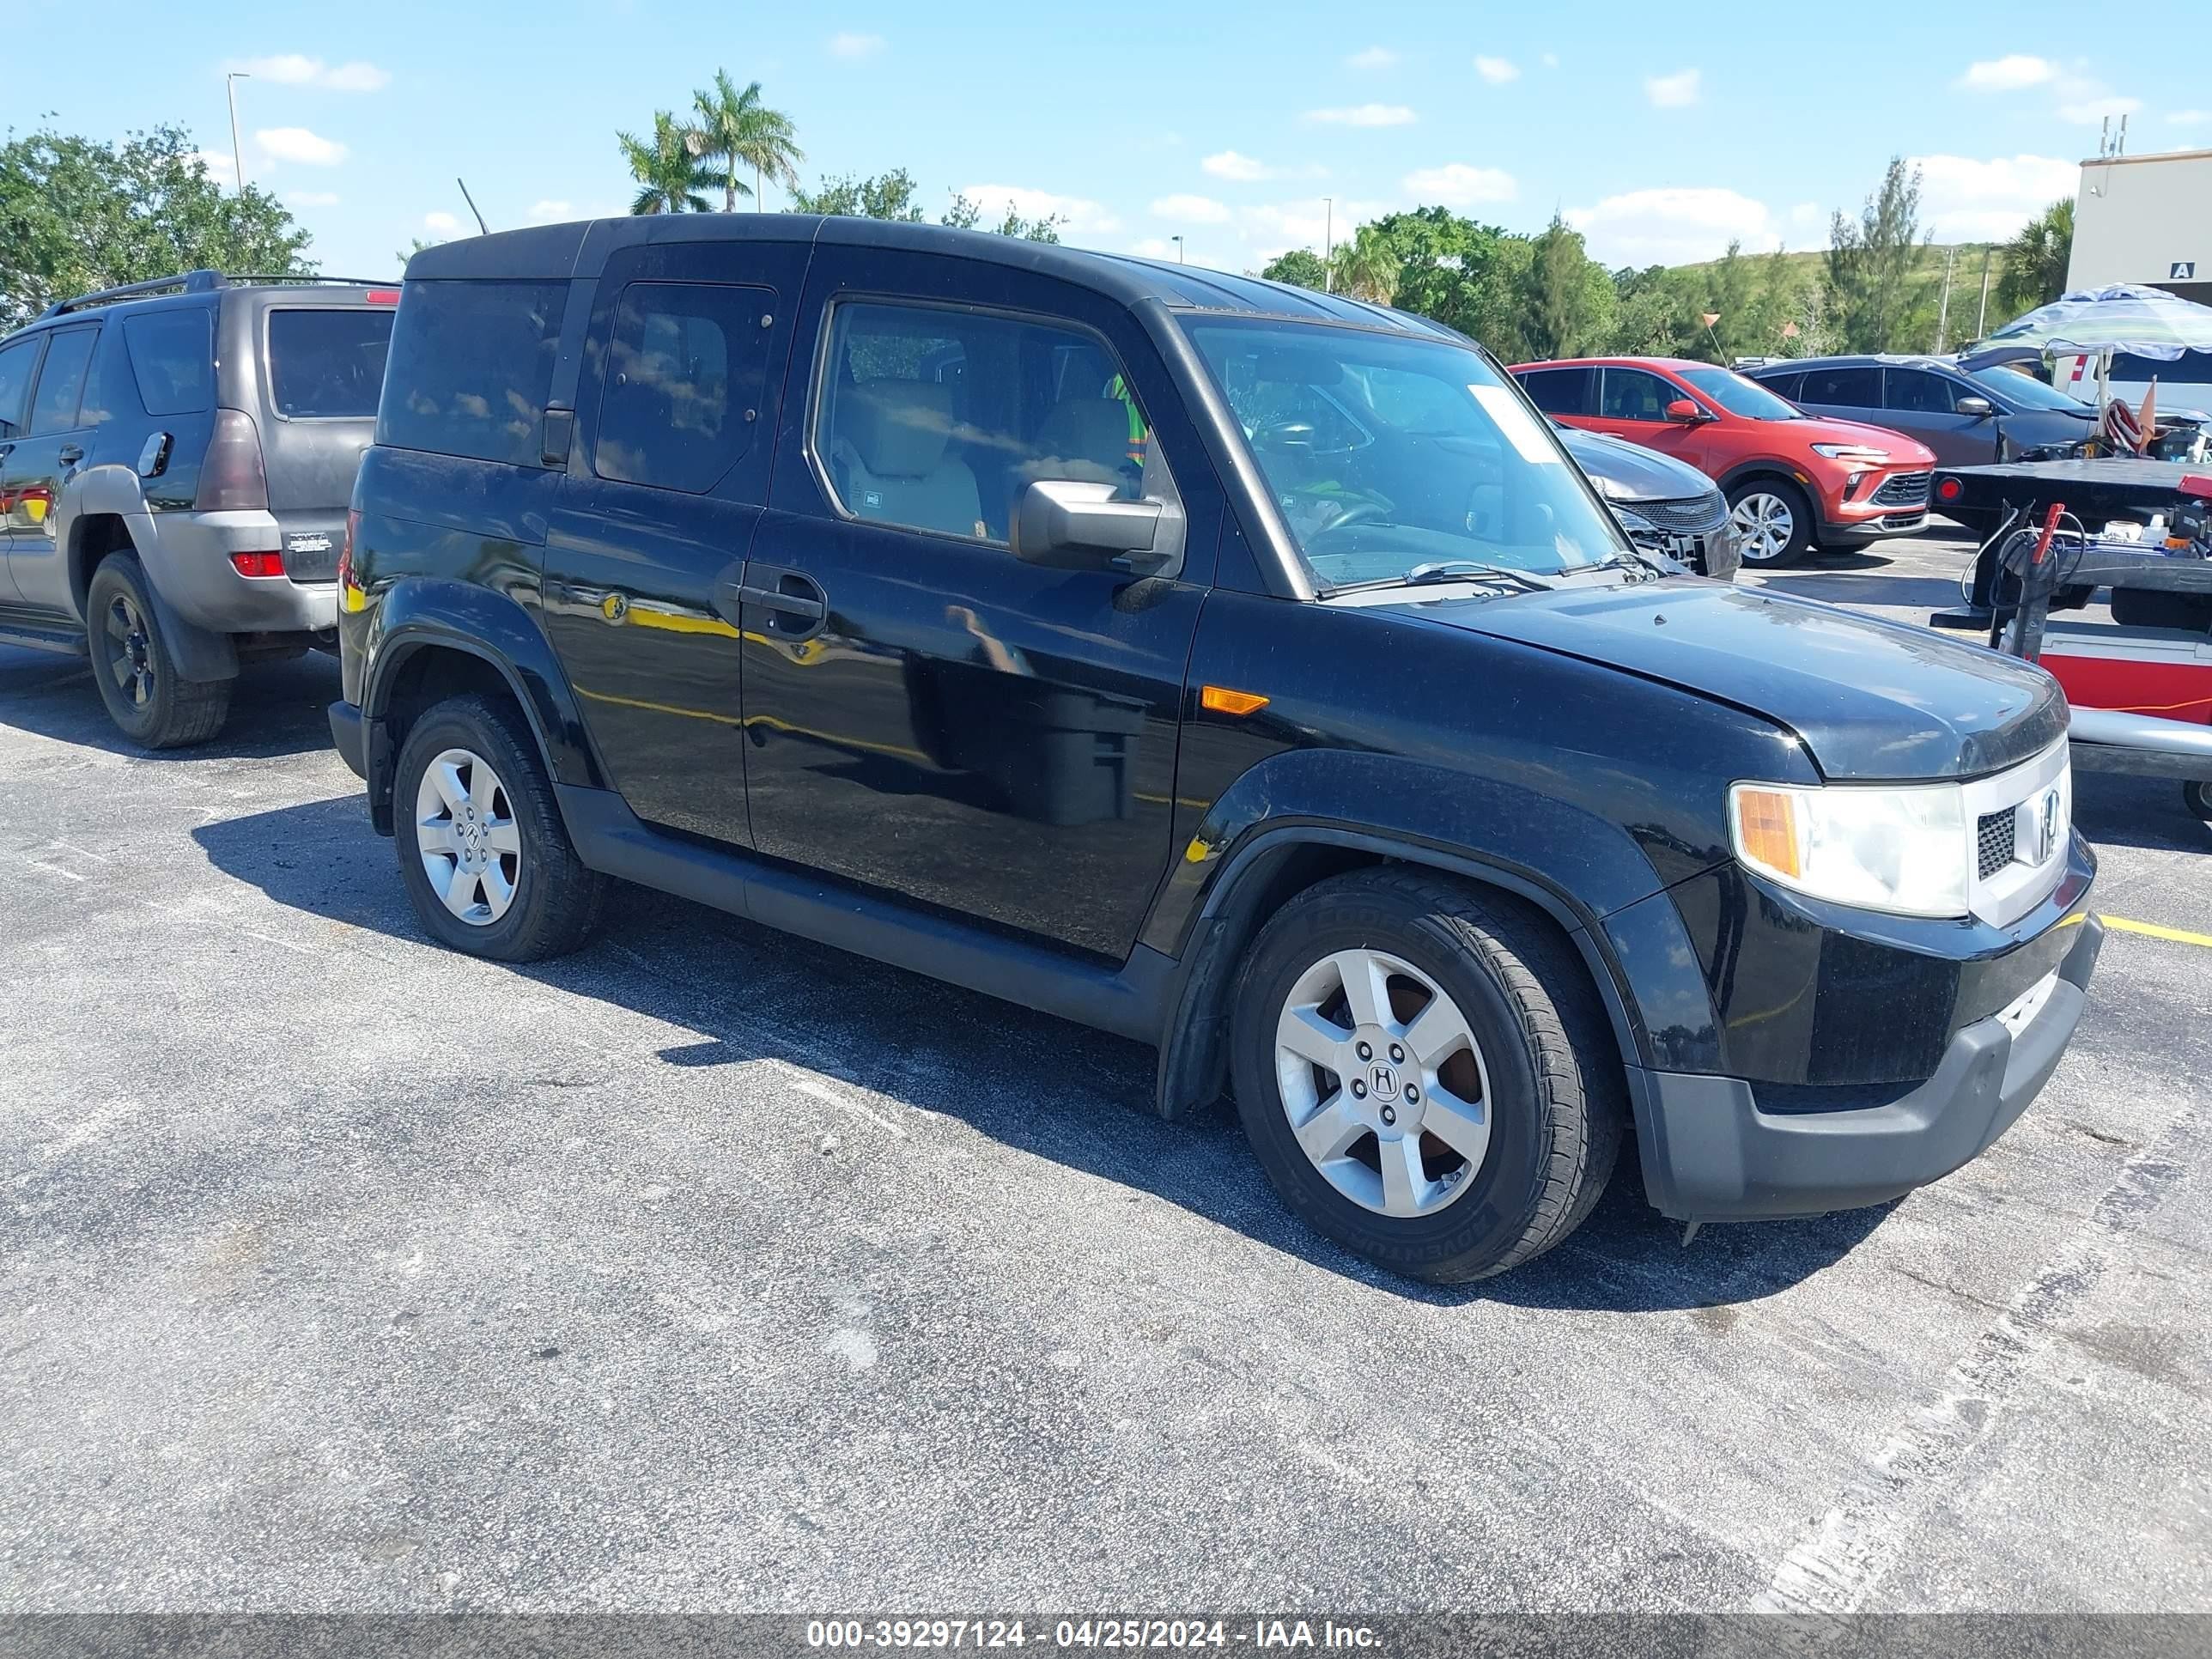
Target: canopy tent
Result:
[[2091, 322], [2099, 323]]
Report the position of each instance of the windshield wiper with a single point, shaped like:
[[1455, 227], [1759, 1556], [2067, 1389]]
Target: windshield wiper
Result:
[[1449, 570]]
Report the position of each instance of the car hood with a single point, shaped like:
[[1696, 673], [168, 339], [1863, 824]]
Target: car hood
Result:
[[1629, 472], [1903, 450], [1870, 700]]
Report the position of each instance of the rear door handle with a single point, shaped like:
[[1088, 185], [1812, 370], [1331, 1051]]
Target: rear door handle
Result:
[[69, 455]]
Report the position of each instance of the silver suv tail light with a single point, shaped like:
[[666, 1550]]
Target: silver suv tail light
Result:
[[232, 478]]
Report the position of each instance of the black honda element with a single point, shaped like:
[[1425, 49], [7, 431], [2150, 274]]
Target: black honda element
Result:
[[1244, 670]]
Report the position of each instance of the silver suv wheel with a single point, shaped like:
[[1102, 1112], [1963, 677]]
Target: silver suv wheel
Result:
[[1764, 526], [1383, 1083], [465, 830]]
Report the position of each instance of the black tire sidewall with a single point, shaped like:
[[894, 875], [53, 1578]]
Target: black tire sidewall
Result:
[[122, 571], [468, 724], [1496, 1210], [1801, 512], [2197, 796]]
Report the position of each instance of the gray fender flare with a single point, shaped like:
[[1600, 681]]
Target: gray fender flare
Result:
[[200, 653]]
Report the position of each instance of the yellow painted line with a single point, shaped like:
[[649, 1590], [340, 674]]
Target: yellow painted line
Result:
[[2152, 930]]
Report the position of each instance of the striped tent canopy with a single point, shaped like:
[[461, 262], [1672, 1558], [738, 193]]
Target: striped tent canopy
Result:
[[2141, 322]]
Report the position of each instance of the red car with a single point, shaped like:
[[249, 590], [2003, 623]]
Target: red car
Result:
[[1792, 481]]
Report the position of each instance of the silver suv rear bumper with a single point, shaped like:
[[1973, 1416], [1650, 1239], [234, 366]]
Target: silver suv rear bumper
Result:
[[189, 563]]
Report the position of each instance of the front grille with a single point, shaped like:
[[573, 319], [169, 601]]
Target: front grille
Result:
[[1692, 517], [1995, 840], [1903, 490]]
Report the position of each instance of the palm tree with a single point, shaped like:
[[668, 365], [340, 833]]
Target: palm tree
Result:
[[1365, 268], [670, 180], [2035, 260], [737, 129]]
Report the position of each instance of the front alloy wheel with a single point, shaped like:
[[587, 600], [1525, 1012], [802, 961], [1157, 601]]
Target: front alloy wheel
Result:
[[1765, 526], [465, 830], [1382, 1082]]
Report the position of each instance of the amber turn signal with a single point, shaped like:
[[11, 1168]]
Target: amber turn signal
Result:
[[1766, 829], [1223, 701]]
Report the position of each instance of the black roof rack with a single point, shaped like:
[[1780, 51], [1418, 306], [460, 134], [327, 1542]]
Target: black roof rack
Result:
[[193, 282]]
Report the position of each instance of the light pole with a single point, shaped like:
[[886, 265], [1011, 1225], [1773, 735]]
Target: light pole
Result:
[[1327, 243], [237, 156], [1177, 241]]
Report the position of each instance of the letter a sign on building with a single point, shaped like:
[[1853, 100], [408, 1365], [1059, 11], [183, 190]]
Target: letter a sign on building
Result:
[[2182, 270]]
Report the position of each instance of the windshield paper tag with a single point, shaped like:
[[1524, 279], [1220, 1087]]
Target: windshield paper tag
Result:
[[1519, 427]]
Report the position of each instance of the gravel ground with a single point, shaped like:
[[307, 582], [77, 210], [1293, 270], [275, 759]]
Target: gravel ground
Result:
[[711, 1270]]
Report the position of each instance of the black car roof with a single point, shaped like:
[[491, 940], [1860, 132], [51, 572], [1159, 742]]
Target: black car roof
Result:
[[547, 253], [1855, 360]]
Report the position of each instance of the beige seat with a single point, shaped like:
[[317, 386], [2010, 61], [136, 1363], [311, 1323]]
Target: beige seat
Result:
[[889, 455]]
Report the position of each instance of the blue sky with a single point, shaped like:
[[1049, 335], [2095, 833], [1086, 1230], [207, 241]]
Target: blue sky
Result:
[[1662, 130]]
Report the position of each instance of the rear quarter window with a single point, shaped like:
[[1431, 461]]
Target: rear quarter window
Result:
[[172, 358], [327, 364], [471, 365], [1558, 390]]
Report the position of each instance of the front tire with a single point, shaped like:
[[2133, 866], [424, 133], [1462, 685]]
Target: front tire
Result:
[[1773, 522], [1425, 1073], [484, 854], [150, 702]]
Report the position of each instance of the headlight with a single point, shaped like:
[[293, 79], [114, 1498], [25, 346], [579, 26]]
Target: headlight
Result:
[[1851, 452], [1905, 850], [1640, 529]]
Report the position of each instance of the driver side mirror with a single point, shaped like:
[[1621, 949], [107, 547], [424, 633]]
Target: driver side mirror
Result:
[[1686, 412], [1067, 523], [1980, 408]]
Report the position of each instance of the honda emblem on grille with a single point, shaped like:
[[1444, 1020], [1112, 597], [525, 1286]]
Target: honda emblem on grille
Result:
[[2041, 827]]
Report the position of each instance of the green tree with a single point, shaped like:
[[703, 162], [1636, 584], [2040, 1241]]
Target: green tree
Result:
[[2035, 261], [1875, 265], [885, 195], [1366, 266], [1300, 266], [964, 214], [1655, 312], [736, 129], [670, 178], [1567, 300], [77, 215]]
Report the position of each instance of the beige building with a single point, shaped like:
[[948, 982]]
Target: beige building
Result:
[[2145, 219]]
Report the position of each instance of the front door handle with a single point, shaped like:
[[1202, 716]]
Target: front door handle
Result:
[[798, 607], [69, 455]]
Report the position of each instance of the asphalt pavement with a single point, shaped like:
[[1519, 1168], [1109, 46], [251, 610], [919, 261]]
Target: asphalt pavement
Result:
[[707, 1269]]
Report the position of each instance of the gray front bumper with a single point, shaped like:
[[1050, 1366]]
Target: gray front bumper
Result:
[[1710, 1153]]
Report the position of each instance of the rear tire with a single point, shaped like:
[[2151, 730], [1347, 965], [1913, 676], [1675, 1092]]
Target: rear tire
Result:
[[484, 854], [2197, 796], [150, 702], [1472, 1002], [1773, 522]]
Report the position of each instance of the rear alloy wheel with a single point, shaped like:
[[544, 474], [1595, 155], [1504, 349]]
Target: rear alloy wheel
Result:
[[466, 835], [483, 854], [1773, 526], [1425, 1072], [150, 702]]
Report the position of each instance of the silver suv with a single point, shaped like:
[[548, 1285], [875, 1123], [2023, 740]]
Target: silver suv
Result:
[[176, 461]]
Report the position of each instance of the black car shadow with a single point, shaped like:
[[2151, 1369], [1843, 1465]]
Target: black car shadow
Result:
[[2118, 811], [277, 709], [1036, 1084]]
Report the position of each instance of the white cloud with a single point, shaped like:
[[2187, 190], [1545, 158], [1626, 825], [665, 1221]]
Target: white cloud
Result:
[[1672, 91], [1079, 215], [2189, 118], [444, 223], [293, 68], [219, 165], [1364, 115], [298, 145], [1457, 184], [1192, 209], [1242, 169], [1674, 226], [2093, 107], [1497, 70], [310, 198], [1271, 228], [558, 210], [1809, 215], [2009, 74], [1375, 57], [851, 43], [1964, 200]]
